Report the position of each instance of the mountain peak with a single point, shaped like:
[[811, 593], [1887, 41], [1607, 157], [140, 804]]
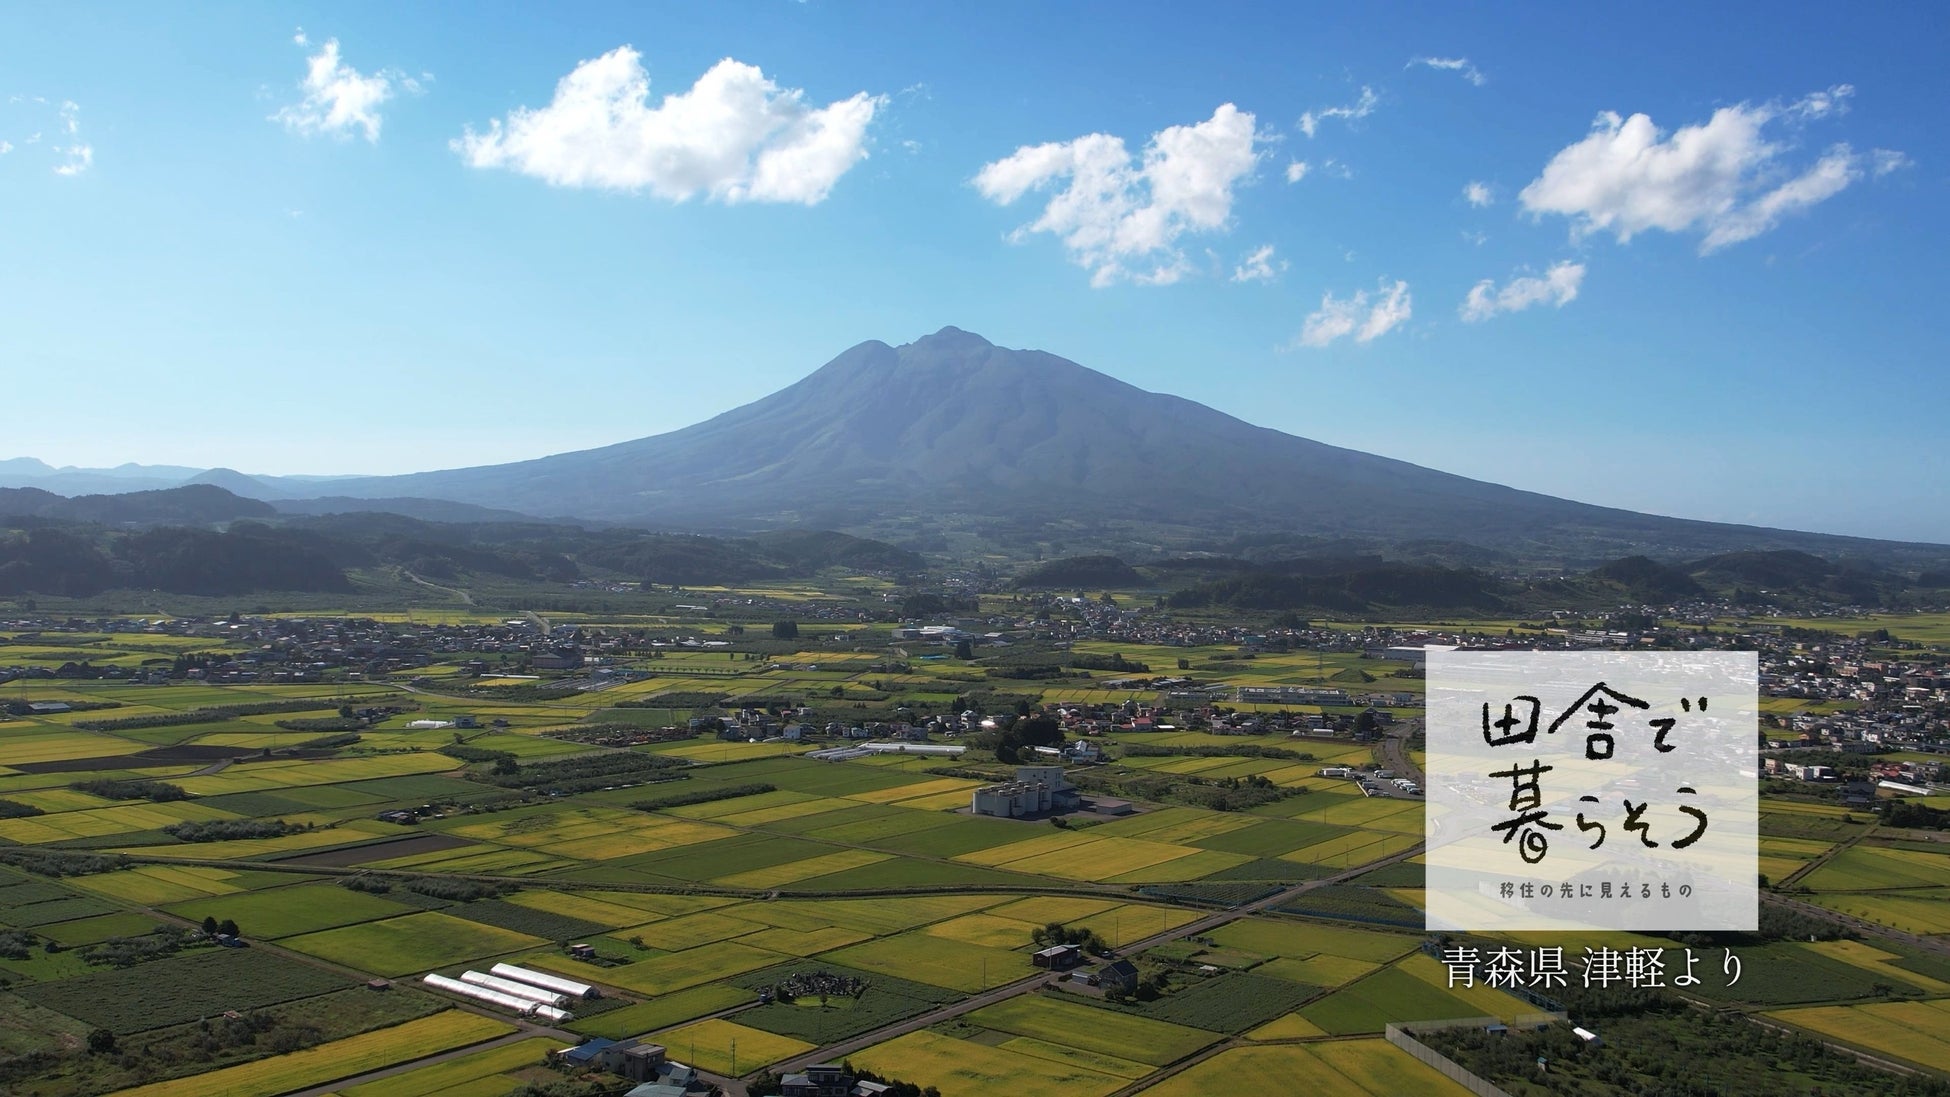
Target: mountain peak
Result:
[[952, 336]]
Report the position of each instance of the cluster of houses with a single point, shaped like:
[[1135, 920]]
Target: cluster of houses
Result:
[[828, 1080], [649, 1065], [657, 1075]]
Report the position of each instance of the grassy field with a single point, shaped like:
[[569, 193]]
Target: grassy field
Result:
[[963, 1066], [1912, 914], [1393, 994], [483, 1073], [339, 1059], [183, 988], [1352, 1068], [1138, 1039], [936, 960], [883, 823], [409, 943], [1302, 940], [691, 967], [1918, 1032], [662, 1012], [282, 912], [1872, 868], [726, 1047]]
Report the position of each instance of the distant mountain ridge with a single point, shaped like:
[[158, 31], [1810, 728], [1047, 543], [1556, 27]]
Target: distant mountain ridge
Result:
[[952, 426], [31, 472]]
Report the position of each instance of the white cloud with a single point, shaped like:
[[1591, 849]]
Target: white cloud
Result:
[[339, 99], [80, 155], [1296, 171], [734, 136], [1721, 178], [6, 147], [1888, 160], [1366, 317], [1113, 210], [1458, 65], [1557, 287], [1359, 109], [1476, 238], [1259, 266], [1477, 194], [1830, 176], [1821, 104]]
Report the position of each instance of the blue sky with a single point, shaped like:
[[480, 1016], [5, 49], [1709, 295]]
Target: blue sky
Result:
[[1702, 274]]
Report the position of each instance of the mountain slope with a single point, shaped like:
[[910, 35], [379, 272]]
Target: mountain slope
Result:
[[196, 504], [952, 424]]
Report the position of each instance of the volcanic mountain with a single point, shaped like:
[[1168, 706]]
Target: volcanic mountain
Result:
[[952, 424]]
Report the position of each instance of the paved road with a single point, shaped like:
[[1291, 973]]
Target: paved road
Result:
[[466, 599], [1394, 752]]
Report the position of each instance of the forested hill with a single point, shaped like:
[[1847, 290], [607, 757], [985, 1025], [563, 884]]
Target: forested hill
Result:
[[1370, 583], [43, 555], [195, 504]]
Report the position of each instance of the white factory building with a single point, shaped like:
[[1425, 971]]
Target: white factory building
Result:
[[1036, 789]]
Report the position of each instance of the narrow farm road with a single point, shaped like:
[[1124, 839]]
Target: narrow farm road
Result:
[[465, 598]]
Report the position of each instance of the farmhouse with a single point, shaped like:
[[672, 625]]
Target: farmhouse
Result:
[[634, 1061], [1118, 977], [1058, 957], [827, 1080]]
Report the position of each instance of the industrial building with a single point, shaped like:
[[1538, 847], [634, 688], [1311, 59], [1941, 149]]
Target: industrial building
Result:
[[1035, 791]]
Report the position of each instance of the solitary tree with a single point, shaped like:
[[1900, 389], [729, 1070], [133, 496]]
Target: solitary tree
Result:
[[209, 925], [227, 928], [785, 630]]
